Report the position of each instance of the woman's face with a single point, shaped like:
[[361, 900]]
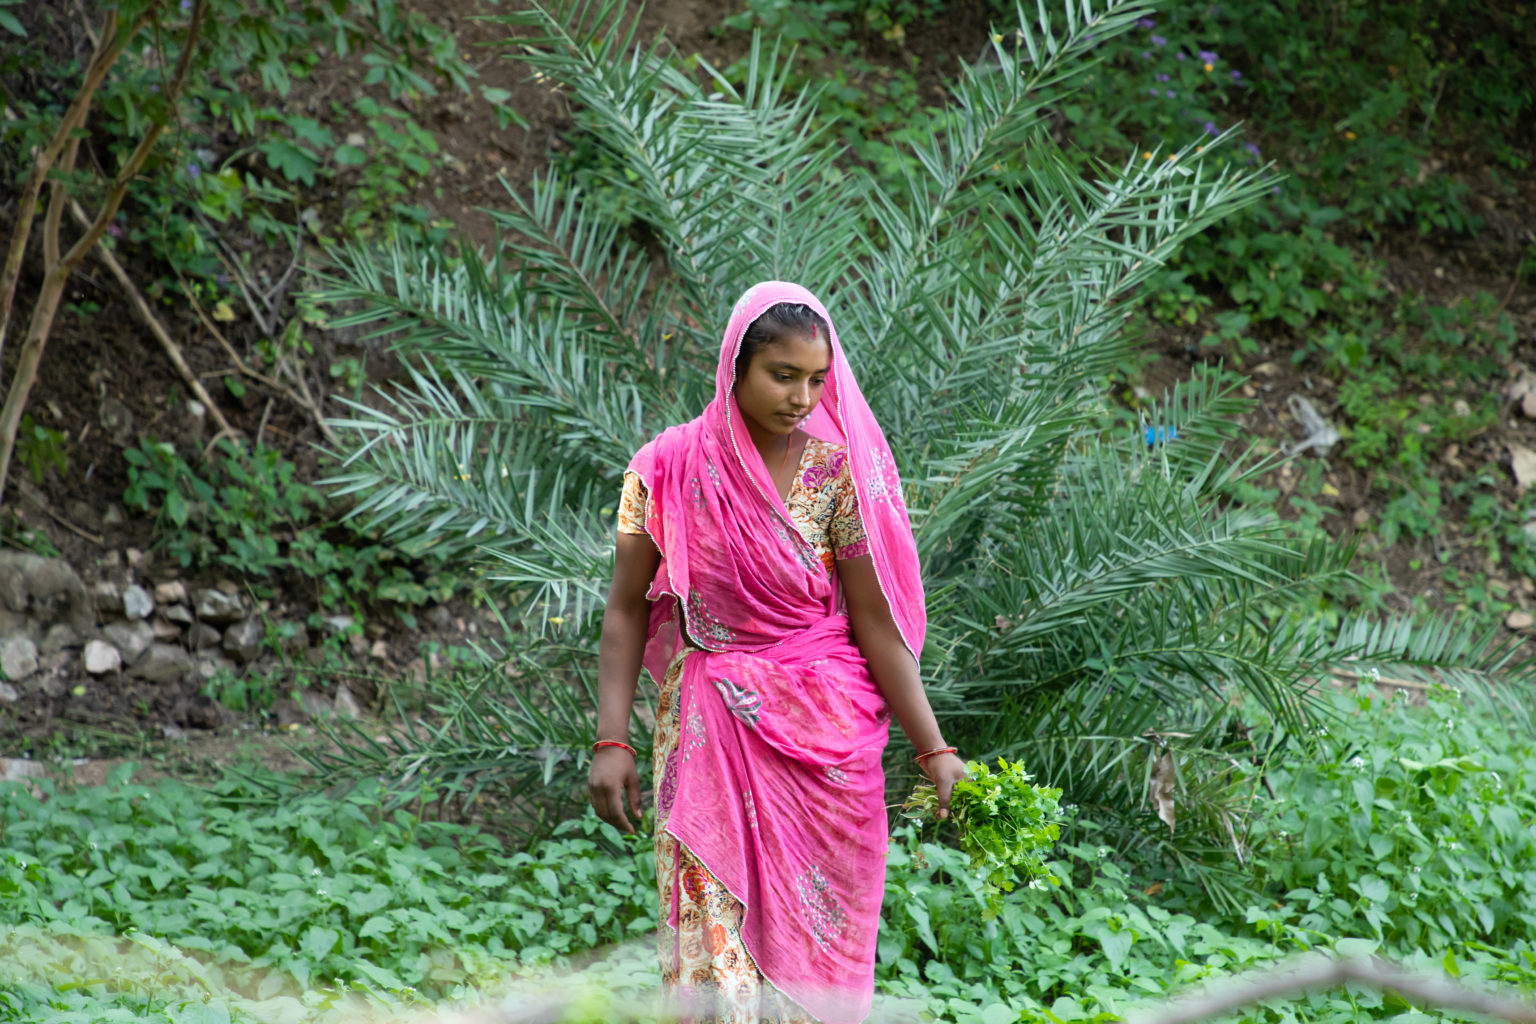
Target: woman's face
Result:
[[783, 382]]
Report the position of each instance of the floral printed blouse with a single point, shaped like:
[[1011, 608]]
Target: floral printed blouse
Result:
[[822, 502]]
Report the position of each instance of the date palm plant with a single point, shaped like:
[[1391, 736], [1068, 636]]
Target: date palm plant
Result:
[[1097, 603]]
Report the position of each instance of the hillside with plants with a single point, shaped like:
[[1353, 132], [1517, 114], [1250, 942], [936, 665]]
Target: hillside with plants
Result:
[[1203, 337]]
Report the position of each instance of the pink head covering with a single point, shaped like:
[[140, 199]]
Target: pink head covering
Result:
[[843, 417], [776, 784]]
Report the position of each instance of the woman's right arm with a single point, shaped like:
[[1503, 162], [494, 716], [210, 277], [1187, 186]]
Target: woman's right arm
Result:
[[626, 619]]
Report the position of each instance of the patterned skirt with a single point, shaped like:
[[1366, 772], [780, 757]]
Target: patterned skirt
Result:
[[704, 963]]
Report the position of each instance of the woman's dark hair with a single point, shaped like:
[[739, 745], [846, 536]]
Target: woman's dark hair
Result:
[[777, 322]]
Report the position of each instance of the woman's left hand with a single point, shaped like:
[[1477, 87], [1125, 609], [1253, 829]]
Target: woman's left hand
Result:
[[944, 770]]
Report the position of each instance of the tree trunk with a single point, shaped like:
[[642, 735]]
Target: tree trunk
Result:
[[26, 365]]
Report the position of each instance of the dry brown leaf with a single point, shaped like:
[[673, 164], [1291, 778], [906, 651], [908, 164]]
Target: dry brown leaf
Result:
[[1523, 461], [1160, 790]]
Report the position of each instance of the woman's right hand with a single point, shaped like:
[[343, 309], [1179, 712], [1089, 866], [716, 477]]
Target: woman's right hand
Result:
[[614, 776]]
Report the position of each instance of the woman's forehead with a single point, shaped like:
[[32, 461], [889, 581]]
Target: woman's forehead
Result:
[[797, 352]]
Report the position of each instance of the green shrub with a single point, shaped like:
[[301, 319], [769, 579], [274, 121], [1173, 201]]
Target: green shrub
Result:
[[248, 512]]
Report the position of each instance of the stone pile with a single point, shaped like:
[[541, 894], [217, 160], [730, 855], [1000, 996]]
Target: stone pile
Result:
[[54, 627]]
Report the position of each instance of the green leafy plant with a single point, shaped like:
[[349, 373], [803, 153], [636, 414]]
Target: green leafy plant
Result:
[[41, 450], [1089, 590], [1005, 823], [249, 512]]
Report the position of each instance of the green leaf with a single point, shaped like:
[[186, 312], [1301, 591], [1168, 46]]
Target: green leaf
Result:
[[318, 942]]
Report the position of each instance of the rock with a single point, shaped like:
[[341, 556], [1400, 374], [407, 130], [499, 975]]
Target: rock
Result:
[[9, 694], [346, 704], [292, 638], [1529, 529], [18, 658], [1461, 408], [82, 513], [1519, 619], [134, 556], [314, 704], [171, 592], [218, 608], [202, 637], [379, 651], [439, 616], [116, 419], [55, 663], [1528, 405], [177, 613], [211, 663], [108, 597], [101, 657], [242, 641], [162, 663], [137, 604], [14, 769], [165, 632], [335, 624], [113, 516], [132, 639], [45, 590], [58, 638], [1523, 462]]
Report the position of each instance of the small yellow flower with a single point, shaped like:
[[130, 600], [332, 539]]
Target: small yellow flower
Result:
[[557, 620], [1147, 155], [1172, 156], [1350, 136], [1209, 67], [1199, 149], [997, 37]]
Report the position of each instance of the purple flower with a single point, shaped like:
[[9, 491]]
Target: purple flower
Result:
[[1181, 55], [115, 230], [1171, 94], [1159, 41], [1237, 76], [1211, 129], [1146, 54], [193, 170], [222, 279], [186, 5], [1209, 56], [1146, 23], [1162, 76], [1153, 92], [1252, 148]]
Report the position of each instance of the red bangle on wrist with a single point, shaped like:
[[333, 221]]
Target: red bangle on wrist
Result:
[[615, 743], [920, 758]]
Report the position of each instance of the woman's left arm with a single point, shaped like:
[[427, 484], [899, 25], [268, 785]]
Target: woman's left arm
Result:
[[895, 671]]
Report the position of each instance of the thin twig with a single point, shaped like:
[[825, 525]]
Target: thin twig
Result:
[[35, 496], [304, 401], [172, 350], [1380, 680], [1315, 972]]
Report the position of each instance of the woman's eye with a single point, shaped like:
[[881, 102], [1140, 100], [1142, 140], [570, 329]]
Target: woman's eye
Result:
[[781, 376], [818, 383]]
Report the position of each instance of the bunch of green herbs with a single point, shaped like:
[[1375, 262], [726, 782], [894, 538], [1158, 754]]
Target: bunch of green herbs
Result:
[[1006, 822]]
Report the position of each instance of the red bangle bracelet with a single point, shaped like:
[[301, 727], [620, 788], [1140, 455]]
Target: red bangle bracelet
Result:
[[615, 743], [920, 758]]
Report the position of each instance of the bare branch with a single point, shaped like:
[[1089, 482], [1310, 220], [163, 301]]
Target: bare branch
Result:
[[1309, 973]]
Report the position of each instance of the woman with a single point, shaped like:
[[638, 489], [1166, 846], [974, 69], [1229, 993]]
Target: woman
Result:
[[766, 573]]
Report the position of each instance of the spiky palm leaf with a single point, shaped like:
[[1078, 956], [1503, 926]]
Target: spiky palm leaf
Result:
[[1088, 592]]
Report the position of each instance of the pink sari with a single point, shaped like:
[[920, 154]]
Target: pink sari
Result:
[[776, 785]]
